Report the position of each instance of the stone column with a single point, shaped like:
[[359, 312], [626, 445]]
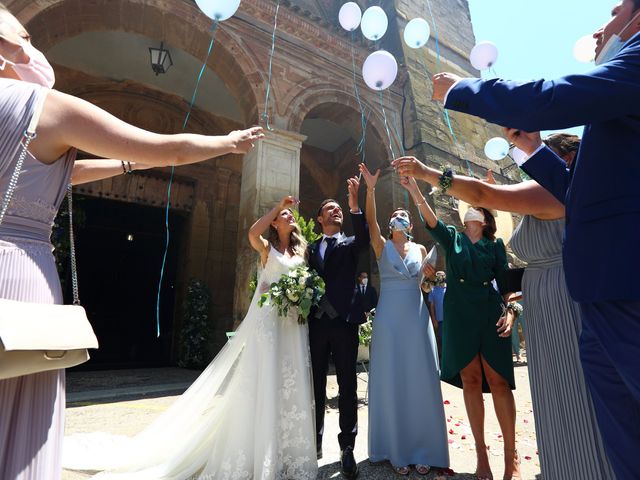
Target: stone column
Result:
[[269, 172]]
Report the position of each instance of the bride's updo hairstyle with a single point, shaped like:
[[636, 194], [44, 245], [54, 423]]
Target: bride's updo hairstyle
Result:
[[297, 242]]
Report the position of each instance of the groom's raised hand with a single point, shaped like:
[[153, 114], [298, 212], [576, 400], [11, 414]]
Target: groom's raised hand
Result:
[[353, 185]]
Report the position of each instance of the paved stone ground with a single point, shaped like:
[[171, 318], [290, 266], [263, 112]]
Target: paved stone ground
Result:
[[124, 402]]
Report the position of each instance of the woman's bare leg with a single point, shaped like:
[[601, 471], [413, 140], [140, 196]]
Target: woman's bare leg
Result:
[[505, 407], [472, 390]]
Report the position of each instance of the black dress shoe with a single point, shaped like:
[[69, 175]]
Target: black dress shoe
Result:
[[349, 467]]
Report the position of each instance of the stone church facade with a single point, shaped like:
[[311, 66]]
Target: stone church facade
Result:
[[99, 49]]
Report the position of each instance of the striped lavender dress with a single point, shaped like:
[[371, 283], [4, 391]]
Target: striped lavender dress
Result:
[[568, 436], [31, 407]]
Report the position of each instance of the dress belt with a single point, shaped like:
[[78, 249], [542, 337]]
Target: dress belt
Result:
[[471, 283], [545, 263]]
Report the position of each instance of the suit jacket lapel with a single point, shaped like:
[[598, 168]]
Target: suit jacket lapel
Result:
[[315, 254]]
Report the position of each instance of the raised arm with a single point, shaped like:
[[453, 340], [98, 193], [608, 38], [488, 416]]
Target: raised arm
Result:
[[68, 122], [377, 240], [257, 241], [425, 210], [609, 91], [359, 224], [526, 198]]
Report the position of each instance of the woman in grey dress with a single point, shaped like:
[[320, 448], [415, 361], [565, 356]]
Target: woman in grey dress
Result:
[[32, 407], [406, 415], [568, 437]]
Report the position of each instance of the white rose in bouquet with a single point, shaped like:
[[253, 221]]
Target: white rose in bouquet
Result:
[[292, 296]]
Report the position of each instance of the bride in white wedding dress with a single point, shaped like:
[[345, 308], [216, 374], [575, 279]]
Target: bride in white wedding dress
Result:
[[250, 413]]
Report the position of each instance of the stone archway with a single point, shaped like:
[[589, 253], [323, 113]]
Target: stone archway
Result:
[[181, 25]]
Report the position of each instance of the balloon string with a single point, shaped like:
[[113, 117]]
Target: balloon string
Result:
[[445, 112], [265, 115], [386, 125], [402, 151], [214, 27], [363, 120]]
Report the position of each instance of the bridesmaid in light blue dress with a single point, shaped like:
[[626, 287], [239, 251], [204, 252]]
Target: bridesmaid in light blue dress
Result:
[[406, 414]]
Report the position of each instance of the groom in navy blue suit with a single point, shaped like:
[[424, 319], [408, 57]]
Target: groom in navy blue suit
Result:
[[601, 193], [333, 325]]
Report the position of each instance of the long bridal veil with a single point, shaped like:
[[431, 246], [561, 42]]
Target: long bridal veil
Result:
[[251, 410]]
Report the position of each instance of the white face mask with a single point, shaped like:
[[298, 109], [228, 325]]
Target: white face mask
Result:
[[613, 45], [610, 49], [365, 281], [473, 215], [38, 70], [400, 224]]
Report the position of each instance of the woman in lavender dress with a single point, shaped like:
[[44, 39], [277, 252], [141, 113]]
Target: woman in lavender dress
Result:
[[32, 406]]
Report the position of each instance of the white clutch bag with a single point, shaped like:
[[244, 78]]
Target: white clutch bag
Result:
[[37, 337]]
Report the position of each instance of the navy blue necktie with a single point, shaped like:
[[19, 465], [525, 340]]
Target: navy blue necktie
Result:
[[331, 243]]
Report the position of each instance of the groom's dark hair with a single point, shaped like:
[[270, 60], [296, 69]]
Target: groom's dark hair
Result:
[[324, 202]]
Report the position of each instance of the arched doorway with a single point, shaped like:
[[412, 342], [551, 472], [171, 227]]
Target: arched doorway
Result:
[[102, 55], [330, 155]]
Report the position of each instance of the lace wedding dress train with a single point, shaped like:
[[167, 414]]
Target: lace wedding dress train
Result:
[[248, 416]]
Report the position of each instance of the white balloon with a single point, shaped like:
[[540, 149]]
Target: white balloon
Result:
[[219, 10], [497, 148], [585, 49], [380, 70], [374, 23], [484, 55], [416, 33], [518, 155], [350, 16]]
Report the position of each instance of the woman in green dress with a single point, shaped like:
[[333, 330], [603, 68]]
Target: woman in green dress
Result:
[[476, 344]]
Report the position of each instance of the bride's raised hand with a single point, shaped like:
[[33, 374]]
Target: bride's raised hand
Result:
[[288, 202], [369, 179]]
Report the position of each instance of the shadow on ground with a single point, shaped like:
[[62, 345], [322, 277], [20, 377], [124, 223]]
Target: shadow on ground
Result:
[[383, 471]]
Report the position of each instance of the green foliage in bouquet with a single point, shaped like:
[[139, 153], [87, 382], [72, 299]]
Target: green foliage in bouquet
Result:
[[300, 287], [196, 329]]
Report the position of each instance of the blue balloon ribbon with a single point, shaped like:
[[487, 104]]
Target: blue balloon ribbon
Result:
[[214, 27], [363, 120], [447, 119]]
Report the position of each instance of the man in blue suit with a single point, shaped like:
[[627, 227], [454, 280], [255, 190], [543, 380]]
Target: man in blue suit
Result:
[[601, 193], [333, 325]]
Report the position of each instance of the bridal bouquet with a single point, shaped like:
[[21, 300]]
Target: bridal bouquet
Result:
[[300, 287]]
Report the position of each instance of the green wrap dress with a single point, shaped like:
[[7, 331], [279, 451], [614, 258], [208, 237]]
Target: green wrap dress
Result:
[[472, 306]]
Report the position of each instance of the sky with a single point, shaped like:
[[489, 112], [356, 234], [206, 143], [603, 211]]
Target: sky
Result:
[[535, 38]]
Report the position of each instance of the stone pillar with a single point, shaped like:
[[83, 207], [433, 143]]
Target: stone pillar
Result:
[[269, 172]]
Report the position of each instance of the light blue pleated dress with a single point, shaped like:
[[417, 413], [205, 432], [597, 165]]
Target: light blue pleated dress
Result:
[[406, 415]]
